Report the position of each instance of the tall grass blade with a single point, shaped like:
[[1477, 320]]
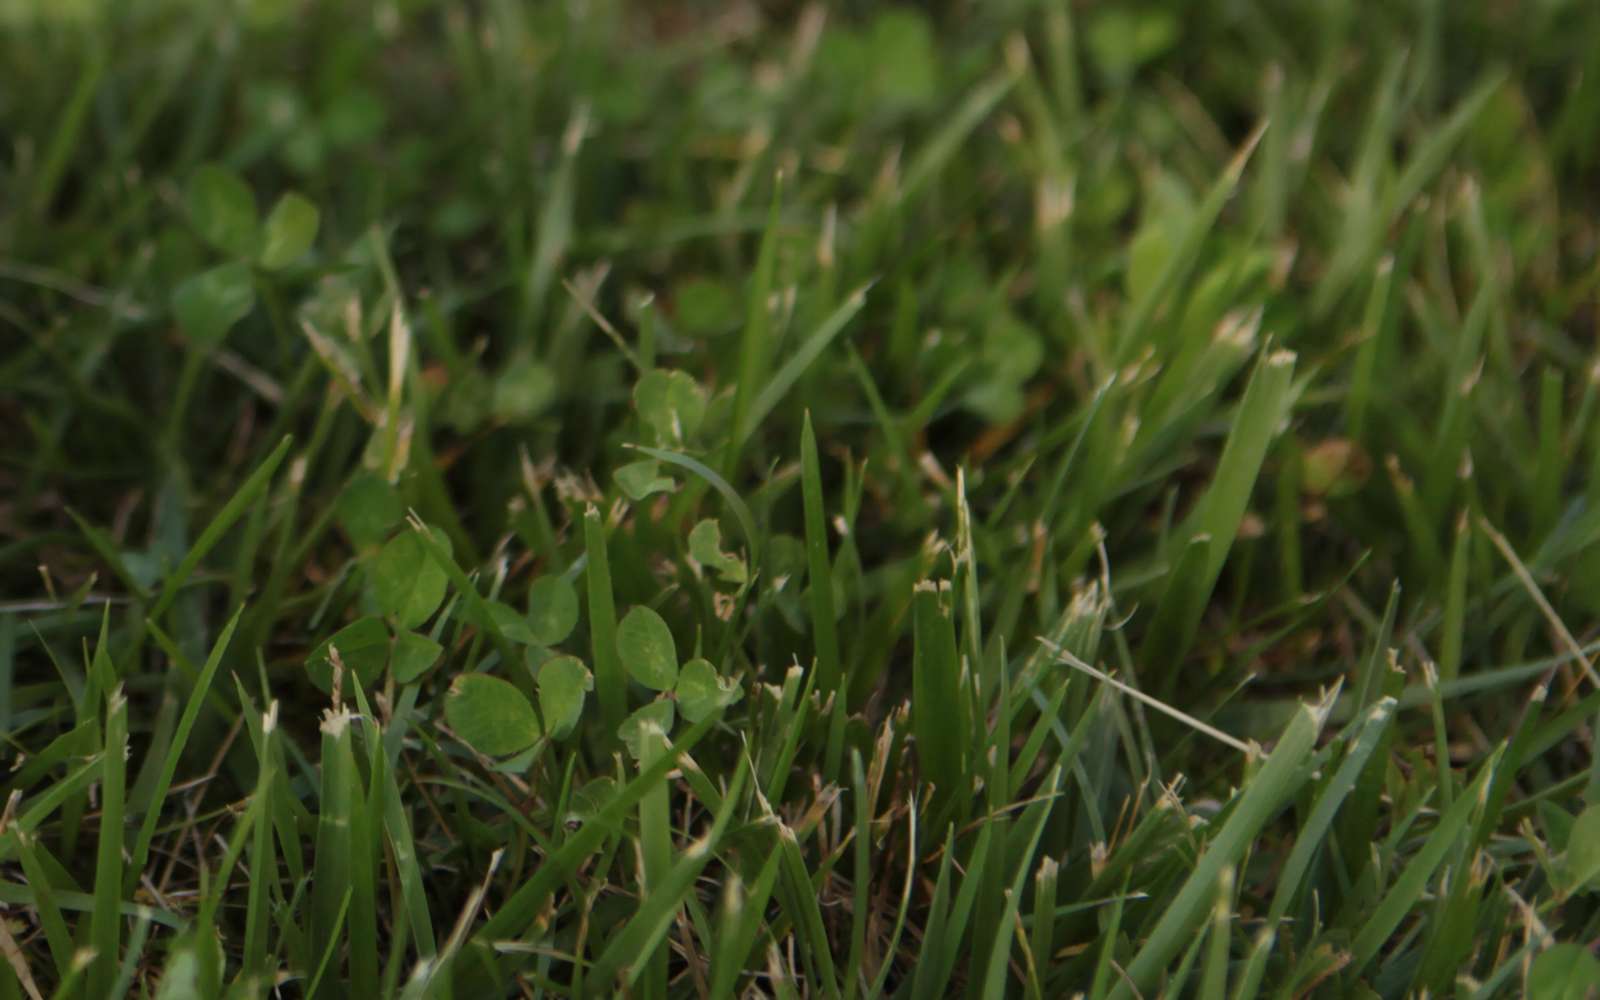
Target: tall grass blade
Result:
[[1280, 776], [105, 932]]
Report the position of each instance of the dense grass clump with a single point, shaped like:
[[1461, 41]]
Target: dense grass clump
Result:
[[762, 499]]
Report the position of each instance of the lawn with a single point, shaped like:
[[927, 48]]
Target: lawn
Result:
[[711, 499]]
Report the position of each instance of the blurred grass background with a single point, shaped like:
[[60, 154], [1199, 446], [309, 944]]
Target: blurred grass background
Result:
[[1237, 351]]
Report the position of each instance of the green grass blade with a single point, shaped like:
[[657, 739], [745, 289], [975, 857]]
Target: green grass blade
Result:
[[1042, 933], [248, 493], [17, 894], [645, 931], [1266, 403], [942, 147], [131, 960], [792, 723], [554, 224], [1214, 973], [1432, 152], [994, 982], [799, 896], [68, 987], [52, 798], [45, 903], [263, 862], [804, 355], [332, 888], [655, 857], [611, 684], [934, 930], [363, 833], [329, 946], [893, 947], [517, 912], [69, 128], [1255, 967], [819, 580], [1180, 262], [937, 701], [755, 348], [1293, 876], [861, 883], [1408, 888], [1178, 613], [1280, 776], [1453, 625], [1110, 928], [1363, 377], [740, 923], [407, 865], [106, 549], [105, 933], [946, 948], [180, 742]]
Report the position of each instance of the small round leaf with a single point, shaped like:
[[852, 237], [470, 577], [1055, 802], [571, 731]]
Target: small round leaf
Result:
[[640, 479], [671, 403], [510, 623], [414, 653], [406, 582], [368, 508], [653, 719], [562, 684], [552, 609], [206, 305], [701, 693], [223, 210], [524, 390], [491, 715], [705, 544], [588, 805], [363, 648], [645, 644], [291, 229]]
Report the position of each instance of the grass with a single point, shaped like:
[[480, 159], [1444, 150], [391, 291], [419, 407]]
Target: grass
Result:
[[1013, 499]]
